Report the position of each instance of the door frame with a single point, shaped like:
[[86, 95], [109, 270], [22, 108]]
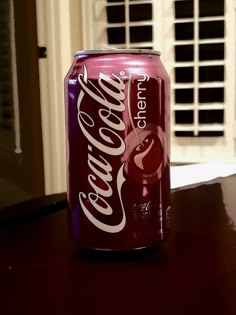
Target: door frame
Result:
[[55, 20]]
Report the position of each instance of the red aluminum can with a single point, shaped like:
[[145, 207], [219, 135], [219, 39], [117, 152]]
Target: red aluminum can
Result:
[[117, 122]]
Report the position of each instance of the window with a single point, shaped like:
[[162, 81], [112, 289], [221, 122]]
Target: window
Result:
[[197, 41], [199, 90], [203, 117], [129, 23], [9, 111], [6, 86]]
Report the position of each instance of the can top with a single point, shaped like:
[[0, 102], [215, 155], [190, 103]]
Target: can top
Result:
[[100, 51]]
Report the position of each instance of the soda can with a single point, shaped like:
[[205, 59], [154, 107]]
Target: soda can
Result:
[[118, 136]]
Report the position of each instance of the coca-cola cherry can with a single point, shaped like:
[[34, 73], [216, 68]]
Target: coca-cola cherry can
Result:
[[118, 121]]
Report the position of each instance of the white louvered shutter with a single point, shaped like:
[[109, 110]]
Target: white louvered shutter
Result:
[[197, 41], [203, 79], [9, 110]]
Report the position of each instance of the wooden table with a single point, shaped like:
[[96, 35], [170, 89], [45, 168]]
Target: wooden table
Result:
[[193, 273]]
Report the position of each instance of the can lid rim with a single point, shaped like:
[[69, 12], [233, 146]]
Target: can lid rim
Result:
[[102, 51]]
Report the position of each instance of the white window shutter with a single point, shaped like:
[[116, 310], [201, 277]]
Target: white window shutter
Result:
[[187, 32], [9, 107], [202, 125]]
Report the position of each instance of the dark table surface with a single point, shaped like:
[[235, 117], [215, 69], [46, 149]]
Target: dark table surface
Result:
[[194, 272]]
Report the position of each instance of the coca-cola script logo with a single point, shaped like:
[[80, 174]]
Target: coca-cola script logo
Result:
[[109, 99]]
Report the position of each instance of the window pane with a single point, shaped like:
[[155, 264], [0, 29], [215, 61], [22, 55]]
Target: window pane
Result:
[[184, 74], [184, 53], [211, 73], [116, 14], [183, 31], [200, 134], [211, 134], [143, 47], [116, 35], [184, 96], [184, 117], [211, 8], [140, 34], [115, 1], [184, 9], [184, 134], [211, 51], [211, 116], [140, 12], [211, 95], [211, 29]]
